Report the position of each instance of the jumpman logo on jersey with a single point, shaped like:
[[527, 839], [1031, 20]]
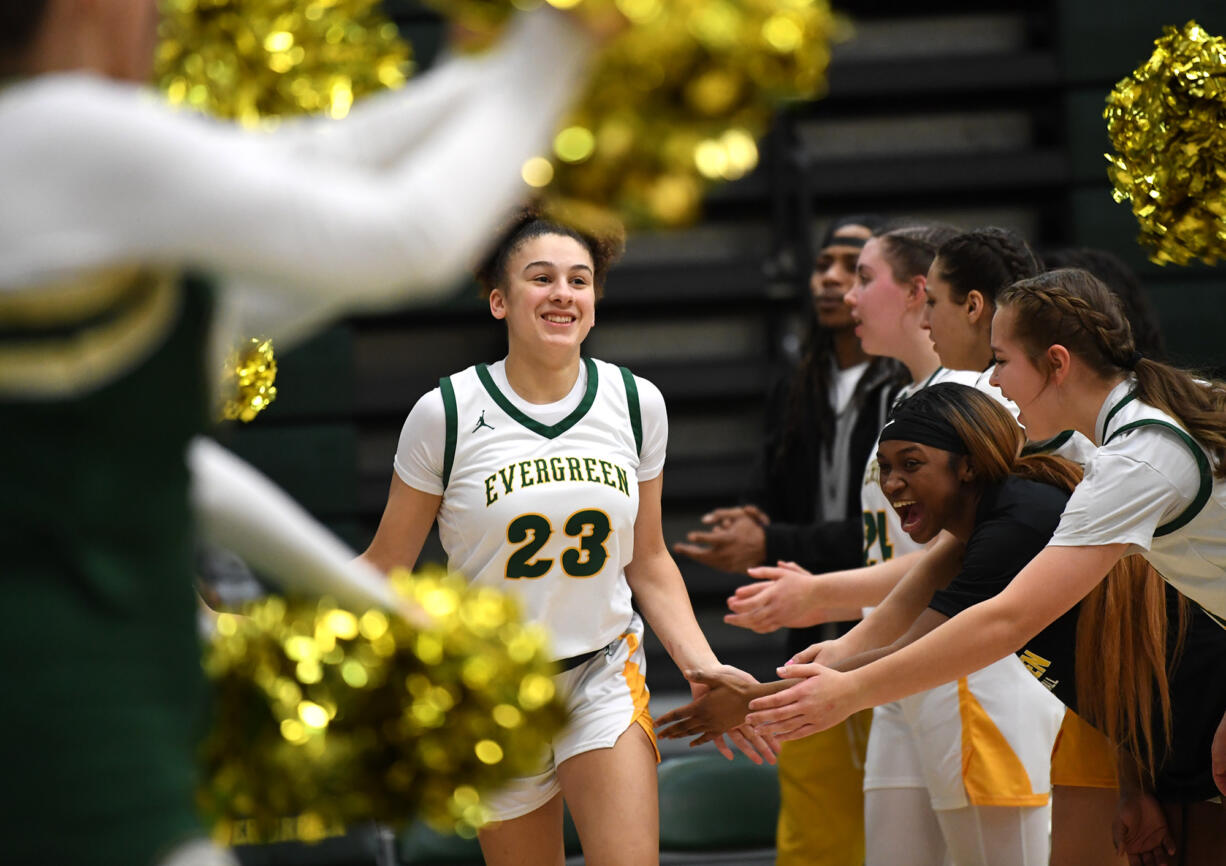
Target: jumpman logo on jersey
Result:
[[481, 423]]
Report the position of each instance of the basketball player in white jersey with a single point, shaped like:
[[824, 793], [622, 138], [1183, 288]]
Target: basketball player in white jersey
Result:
[[544, 473]]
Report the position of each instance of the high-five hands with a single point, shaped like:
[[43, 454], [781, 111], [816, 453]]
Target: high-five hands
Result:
[[721, 700], [817, 698]]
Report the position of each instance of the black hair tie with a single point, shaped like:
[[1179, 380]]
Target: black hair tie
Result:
[[1133, 360]]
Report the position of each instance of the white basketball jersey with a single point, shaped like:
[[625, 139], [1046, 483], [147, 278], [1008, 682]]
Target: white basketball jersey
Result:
[[1189, 551], [546, 511]]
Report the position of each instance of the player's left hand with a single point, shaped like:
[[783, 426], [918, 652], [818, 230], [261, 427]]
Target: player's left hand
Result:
[[1218, 756], [820, 699], [1140, 831]]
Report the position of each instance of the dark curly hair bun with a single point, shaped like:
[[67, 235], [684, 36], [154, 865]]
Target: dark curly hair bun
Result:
[[604, 239]]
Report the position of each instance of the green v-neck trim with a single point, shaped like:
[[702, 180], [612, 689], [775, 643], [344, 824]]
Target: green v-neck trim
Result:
[[928, 381], [1132, 395], [548, 431], [1047, 446], [903, 394]]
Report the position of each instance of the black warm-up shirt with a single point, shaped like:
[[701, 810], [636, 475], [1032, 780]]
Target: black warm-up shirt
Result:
[[1013, 522]]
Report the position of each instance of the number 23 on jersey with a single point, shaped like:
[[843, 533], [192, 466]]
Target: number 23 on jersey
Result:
[[531, 531]]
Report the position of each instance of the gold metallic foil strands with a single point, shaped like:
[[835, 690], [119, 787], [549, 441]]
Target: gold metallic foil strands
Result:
[[247, 380], [326, 717], [677, 102], [1167, 123], [257, 60]]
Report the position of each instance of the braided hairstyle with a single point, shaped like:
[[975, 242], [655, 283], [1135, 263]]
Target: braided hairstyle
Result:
[[909, 250], [985, 260], [1123, 280], [532, 222], [1072, 308]]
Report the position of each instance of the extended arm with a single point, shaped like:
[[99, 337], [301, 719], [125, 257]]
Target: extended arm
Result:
[[173, 189], [1055, 580], [661, 595], [406, 521], [660, 590], [792, 597], [907, 600], [1050, 585]]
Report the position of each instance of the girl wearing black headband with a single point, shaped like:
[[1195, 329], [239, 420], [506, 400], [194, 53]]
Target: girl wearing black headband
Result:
[[948, 462]]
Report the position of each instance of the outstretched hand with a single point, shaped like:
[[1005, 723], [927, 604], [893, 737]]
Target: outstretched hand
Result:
[[827, 653], [781, 597], [721, 706], [819, 699], [734, 540], [1140, 831]]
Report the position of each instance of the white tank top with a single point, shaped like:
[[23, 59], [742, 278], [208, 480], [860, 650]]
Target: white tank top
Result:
[[546, 511]]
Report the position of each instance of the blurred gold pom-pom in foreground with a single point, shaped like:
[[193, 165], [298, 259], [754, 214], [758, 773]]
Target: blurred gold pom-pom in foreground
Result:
[[1167, 123], [334, 717], [678, 101], [257, 60], [247, 380]]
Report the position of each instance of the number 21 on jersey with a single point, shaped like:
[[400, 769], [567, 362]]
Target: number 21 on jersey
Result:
[[530, 531], [876, 530]]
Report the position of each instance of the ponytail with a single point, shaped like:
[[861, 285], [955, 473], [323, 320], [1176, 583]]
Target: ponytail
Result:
[[1072, 308], [1122, 660]]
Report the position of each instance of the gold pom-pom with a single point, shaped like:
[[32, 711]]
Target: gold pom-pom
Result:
[[332, 717], [257, 60], [247, 380], [677, 101], [1167, 123]]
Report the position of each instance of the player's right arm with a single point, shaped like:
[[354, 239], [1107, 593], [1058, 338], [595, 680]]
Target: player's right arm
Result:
[[406, 520], [899, 610]]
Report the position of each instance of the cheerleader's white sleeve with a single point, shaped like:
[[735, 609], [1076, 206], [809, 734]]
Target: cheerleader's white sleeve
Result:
[[98, 173], [242, 510]]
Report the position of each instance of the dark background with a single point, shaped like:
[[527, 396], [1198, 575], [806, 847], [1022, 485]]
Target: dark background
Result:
[[983, 116]]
